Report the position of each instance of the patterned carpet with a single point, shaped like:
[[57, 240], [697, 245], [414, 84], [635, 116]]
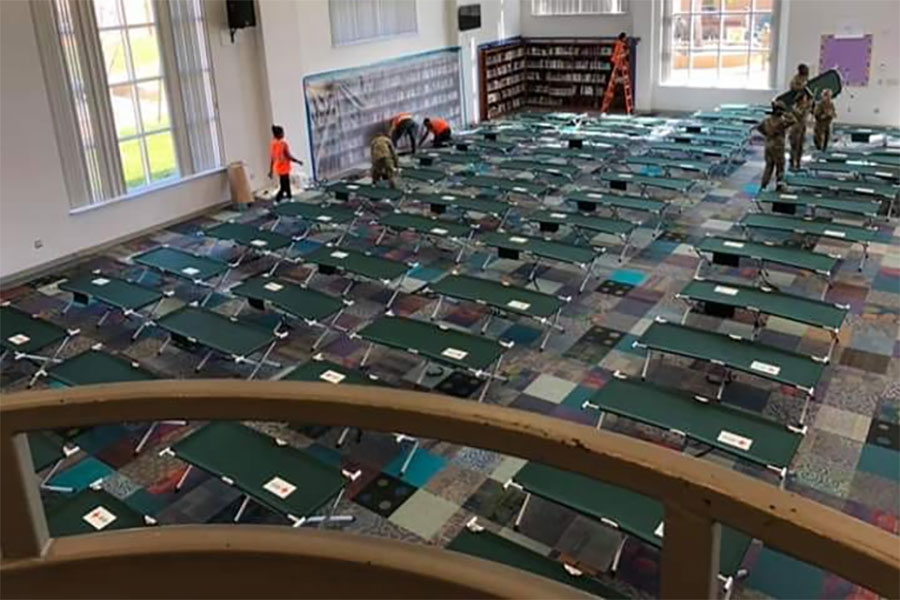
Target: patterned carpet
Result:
[[848, 460]]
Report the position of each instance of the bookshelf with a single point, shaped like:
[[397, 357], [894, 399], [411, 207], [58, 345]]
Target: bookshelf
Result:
[[559, 73]]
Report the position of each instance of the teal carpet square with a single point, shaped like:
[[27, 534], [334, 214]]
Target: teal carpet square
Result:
[[628, 276], [626, 344], [576, 397], [428, 274], [522, 335], [82, 474], [881, 461], [751, 189], [421, 469]]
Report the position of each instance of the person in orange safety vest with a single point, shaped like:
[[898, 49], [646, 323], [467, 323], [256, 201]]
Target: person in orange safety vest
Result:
[[439, 128], [280, 159]]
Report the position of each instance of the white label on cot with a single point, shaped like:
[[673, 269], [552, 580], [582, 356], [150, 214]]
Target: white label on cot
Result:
[[323, 218], [518, 240], [518, 305], [733, 439], [728, 291], [660, 529], [558, 215], [19, 339], [519, 189], [279, 487], [99, 518], [448, 198], [352, 187], [865, 190], [274, 287], [833, 233], [438, 231], [624, 176], [454, 353], [100, 281], [731, 244], [332, 376], [765, 368], [339, 255], [553, 170], [788, 196], [259, 243], [190, 271], [595, 196]]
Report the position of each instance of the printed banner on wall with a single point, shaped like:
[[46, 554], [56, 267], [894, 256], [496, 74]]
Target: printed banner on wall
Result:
[[850, 56], [346, 108]]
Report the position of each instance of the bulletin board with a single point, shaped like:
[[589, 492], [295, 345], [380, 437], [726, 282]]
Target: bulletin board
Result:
[[346, 108], [851, 56]]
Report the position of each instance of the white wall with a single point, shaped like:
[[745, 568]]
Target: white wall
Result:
[[297, 42], [879, 102], [576, 26], [499, 21], [33, 202]]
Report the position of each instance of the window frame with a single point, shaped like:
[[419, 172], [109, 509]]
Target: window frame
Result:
[[669, 49], [580, 12], [378, 37]]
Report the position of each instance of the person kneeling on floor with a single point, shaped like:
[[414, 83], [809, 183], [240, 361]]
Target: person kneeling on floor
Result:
[[439, 129]]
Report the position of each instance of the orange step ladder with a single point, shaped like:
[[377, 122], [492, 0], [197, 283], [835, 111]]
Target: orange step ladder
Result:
[[620, 74]]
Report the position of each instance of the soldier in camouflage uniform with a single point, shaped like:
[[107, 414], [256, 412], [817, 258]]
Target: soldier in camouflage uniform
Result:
[[384, 159], [774, 128], [801, 109], [824, 114]]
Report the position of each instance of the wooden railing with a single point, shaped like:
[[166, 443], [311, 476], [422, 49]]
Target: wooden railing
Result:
[[214, 560]]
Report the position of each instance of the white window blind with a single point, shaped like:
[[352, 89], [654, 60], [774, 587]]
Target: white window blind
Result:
[[551, 8], [361, 20], [131, 90], [719, 43]]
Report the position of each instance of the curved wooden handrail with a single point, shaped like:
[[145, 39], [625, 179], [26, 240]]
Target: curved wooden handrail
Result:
[[257, 561], [695, 493]]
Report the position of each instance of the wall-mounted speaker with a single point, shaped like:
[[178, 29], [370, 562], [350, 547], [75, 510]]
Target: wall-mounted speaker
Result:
[[241, 14]]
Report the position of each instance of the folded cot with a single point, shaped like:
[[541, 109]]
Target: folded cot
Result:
[[279, 477], [502, 299], [734, 353], [475, 354], [25, 336], [193, 327]]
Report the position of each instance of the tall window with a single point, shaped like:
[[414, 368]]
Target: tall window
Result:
[[550, 8], [137, 92], [719, 43], [362, 20], [132, 94]]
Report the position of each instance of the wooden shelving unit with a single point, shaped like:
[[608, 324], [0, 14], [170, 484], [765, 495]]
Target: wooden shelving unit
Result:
[[559, 73]]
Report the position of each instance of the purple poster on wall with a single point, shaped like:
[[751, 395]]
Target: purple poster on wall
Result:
[[851, 56]]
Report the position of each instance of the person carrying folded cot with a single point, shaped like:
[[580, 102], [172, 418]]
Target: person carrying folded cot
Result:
[[280, 159], [404, 124], [774, 128], [801, 108], [439, 129], [824, 113], [384, 159]]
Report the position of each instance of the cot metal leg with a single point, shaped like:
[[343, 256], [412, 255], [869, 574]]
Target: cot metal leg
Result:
[[487, 322], [264, 360], [348, 287], [618, 556], [646, 365], [68, 305], [380, 237], [834, 341], [486, 262], [103, 318], [309, 277], [532, 276], [589, 270], [347, 231], [342, 438], [503, 218], [409, 458], [491, 376], [164, 344], [365, 357], [183, 477], [554, 324], [242, 302], [55, 488], [625, 243], [805, 409], [437, 308], [141, 276], [203, 362], [242, 508], [145, 437], [275, 224], [600, 420], [521, 514], [396, 291], [687, 312], [726, 378], [421, 376], [322, 336], [862, 264]]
